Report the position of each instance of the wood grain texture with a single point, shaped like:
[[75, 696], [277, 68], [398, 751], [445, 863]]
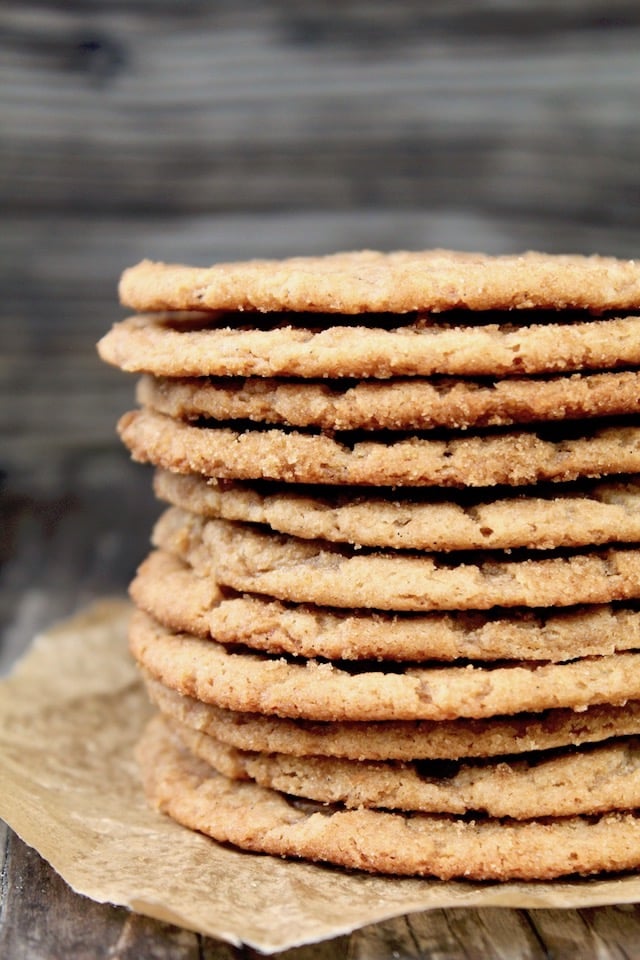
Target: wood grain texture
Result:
[[203, 131], [265, 107]]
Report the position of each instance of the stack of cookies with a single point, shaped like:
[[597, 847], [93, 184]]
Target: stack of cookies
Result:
[[390, 619]]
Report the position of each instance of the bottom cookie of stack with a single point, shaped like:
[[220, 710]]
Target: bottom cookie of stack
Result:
[[379, 840], [420, 787]]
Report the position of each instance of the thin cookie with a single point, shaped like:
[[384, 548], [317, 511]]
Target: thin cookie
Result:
[[398, 740], [513, 458], [256, 818], [315, 690], [312, 571], [167, 588], [577, 516], [401, 281], [398, 404], [593, 780], [181, 346]]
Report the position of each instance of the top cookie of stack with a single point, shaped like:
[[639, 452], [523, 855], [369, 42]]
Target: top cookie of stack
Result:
[[331, 433]]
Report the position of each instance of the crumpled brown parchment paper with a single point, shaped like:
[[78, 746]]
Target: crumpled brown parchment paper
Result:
[[70, 714]]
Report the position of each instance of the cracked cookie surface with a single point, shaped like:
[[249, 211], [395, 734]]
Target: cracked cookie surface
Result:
[[399, 740], [512, 458], [262, 819], [397, 404], [400, 281], [316, 690], [168, 589], [592, 780], [174, 346], [576, 515], [288, 568]]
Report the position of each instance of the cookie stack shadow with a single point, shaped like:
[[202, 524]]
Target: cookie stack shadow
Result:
[[390, 617]]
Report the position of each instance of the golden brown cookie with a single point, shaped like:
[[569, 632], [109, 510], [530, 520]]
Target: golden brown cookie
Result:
[[182, 346], [260, 819], [476, 460], [577, 515], [366, 280], [591, 780], [169, 590], [316, 690], [398, 404], [399, 740], [244, 557]]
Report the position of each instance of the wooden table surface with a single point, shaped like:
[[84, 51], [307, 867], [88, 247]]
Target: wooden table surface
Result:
[[208, 131]]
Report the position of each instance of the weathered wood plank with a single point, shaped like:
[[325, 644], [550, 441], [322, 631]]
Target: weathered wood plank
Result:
[[43, 919], [73, 534], [36, 921], [606, 933], [520, 108]]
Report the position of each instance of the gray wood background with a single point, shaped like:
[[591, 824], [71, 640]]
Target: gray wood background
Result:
[[200, 131]]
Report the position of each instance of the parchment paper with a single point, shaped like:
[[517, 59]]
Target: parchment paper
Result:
[[69, 716]]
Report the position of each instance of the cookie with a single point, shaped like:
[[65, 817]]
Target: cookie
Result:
[[398, 404], [182, 346], [316, 690], [593, 780], [399, 740], [577, 516], [312, 571], [260, 819], [167, 589], [512, 458], [365, 280]]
